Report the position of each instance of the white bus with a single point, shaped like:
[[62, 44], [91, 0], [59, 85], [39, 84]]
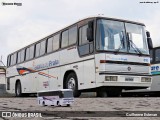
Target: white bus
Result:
[[98, 54], [60, 97]]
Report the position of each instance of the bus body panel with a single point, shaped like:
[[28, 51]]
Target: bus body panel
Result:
[[55, 97]]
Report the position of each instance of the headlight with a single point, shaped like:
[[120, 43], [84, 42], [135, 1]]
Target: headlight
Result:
[[145, 79], [111, 78]]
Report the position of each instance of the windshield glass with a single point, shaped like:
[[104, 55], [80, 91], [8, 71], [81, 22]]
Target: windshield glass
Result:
[[136, 35], [121, 37], [67, 94]]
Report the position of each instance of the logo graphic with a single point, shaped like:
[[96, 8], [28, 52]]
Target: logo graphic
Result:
[[23, 71], [6, 114], [46, 84], [129, 68]]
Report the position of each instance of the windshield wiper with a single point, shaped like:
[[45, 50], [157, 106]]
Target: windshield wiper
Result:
[[135, 47], [121, 45]]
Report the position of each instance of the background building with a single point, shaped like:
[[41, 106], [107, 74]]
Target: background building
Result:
[[2, 78]]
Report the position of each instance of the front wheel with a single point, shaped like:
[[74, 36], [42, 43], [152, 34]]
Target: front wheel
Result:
[[72, 83]]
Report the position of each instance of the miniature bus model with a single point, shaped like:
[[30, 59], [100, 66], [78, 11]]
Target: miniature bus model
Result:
[[98, 54], [55, 97]]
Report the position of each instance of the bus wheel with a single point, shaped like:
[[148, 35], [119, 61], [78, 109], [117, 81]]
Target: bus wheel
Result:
[[58, 104], [68, 105], [18, 89], [43, 103], [71, 83]]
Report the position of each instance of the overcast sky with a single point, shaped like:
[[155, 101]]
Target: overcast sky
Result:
[[22, 25]]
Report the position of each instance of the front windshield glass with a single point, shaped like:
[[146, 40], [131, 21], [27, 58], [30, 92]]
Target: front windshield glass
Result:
[[136, 37], [121, 37], [111, 35]]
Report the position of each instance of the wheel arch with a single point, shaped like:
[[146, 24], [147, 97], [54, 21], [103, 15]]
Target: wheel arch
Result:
[[66, 74]]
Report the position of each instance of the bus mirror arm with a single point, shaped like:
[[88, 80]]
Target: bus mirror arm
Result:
[[149, 40], [90, 31]]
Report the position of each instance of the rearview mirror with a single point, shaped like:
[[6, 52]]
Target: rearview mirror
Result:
[[149, 40], [90, 31]]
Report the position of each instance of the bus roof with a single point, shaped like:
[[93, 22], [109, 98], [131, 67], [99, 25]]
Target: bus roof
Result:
[[54, 90]]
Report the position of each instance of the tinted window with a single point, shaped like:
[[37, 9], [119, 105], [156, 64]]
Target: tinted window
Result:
[[56, 42], [85, 47], [83, 35], [22, 55], [14, 58], [151, 55], [157, 55], [43, 47], [49, 45], [8, 61], [72, 35], [37, 49], [64, 39], [19, 57], [31, 52], [27, 54]]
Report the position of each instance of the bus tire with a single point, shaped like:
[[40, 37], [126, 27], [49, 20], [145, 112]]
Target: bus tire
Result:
[[72, 83], [58, 104], [68, 105], [18, 89], [43, 103]]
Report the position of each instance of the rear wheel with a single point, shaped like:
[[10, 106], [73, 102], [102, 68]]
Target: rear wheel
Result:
[[72, 83], [43, 103], [18, 89], [58, 104]]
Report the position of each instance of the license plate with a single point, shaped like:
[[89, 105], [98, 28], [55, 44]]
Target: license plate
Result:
[[129, 79]]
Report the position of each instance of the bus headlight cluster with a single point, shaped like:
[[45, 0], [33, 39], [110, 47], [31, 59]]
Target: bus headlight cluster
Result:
[[110, 78], [145, 79]]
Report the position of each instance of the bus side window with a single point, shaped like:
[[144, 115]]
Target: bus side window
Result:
[[49, 44], [37, 50], [27, 54], [14, 59], [56, 42], [31, 52], [9, 60], [22, 55], [43, 47], [19, 57], [157, 55], [72, 35], [85, 47], [64, 42]]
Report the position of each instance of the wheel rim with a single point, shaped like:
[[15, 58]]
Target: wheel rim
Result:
[[71, 83]]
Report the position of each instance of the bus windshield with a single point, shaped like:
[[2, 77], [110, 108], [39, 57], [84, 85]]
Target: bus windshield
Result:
[[121, 37], [67, 94]]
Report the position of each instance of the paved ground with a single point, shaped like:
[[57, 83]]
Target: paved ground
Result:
[[94, 105]]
